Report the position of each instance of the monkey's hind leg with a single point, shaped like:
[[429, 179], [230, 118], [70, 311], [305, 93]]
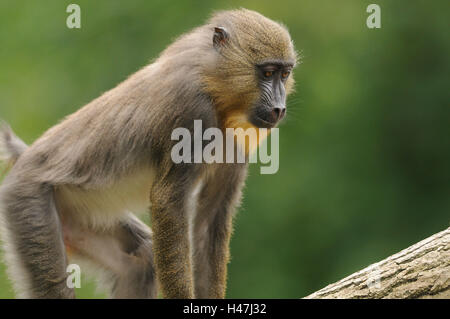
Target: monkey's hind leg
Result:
[[33, 243], [123, 253], [140, 279]]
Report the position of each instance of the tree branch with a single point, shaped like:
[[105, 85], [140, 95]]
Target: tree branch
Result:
[[420, 271]]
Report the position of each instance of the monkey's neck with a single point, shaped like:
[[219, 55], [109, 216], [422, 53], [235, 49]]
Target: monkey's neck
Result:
[[246, 136]]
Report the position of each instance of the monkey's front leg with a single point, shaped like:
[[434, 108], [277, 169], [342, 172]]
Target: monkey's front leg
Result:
[[212, 231], [171, 246], [211, 254]]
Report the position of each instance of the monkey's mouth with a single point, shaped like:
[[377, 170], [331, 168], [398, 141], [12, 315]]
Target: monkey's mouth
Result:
[[262, 123]]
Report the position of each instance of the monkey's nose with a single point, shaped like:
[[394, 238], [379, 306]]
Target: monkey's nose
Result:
[[279, 112]]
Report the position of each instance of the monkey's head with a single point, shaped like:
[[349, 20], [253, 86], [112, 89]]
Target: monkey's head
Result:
[[253, 59]]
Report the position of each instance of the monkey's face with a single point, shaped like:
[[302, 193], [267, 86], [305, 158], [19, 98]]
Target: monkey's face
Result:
[[270, 108], [249, 75]]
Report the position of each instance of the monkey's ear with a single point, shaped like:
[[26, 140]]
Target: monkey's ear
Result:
[[220, 37]]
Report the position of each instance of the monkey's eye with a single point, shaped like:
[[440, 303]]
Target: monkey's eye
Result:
[[285, 75], [268, 74]]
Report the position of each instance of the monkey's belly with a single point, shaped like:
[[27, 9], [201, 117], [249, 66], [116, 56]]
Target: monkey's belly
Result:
[[103, 207]]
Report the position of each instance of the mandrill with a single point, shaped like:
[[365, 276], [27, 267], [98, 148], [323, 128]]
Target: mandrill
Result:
[[75, 187]]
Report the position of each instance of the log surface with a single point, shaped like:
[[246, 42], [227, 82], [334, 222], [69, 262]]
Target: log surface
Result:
[[420, 271]]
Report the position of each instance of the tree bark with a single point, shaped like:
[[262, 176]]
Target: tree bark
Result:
[[420, 271]]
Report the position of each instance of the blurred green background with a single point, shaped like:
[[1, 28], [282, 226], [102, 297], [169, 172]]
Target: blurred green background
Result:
[[364, 154]]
